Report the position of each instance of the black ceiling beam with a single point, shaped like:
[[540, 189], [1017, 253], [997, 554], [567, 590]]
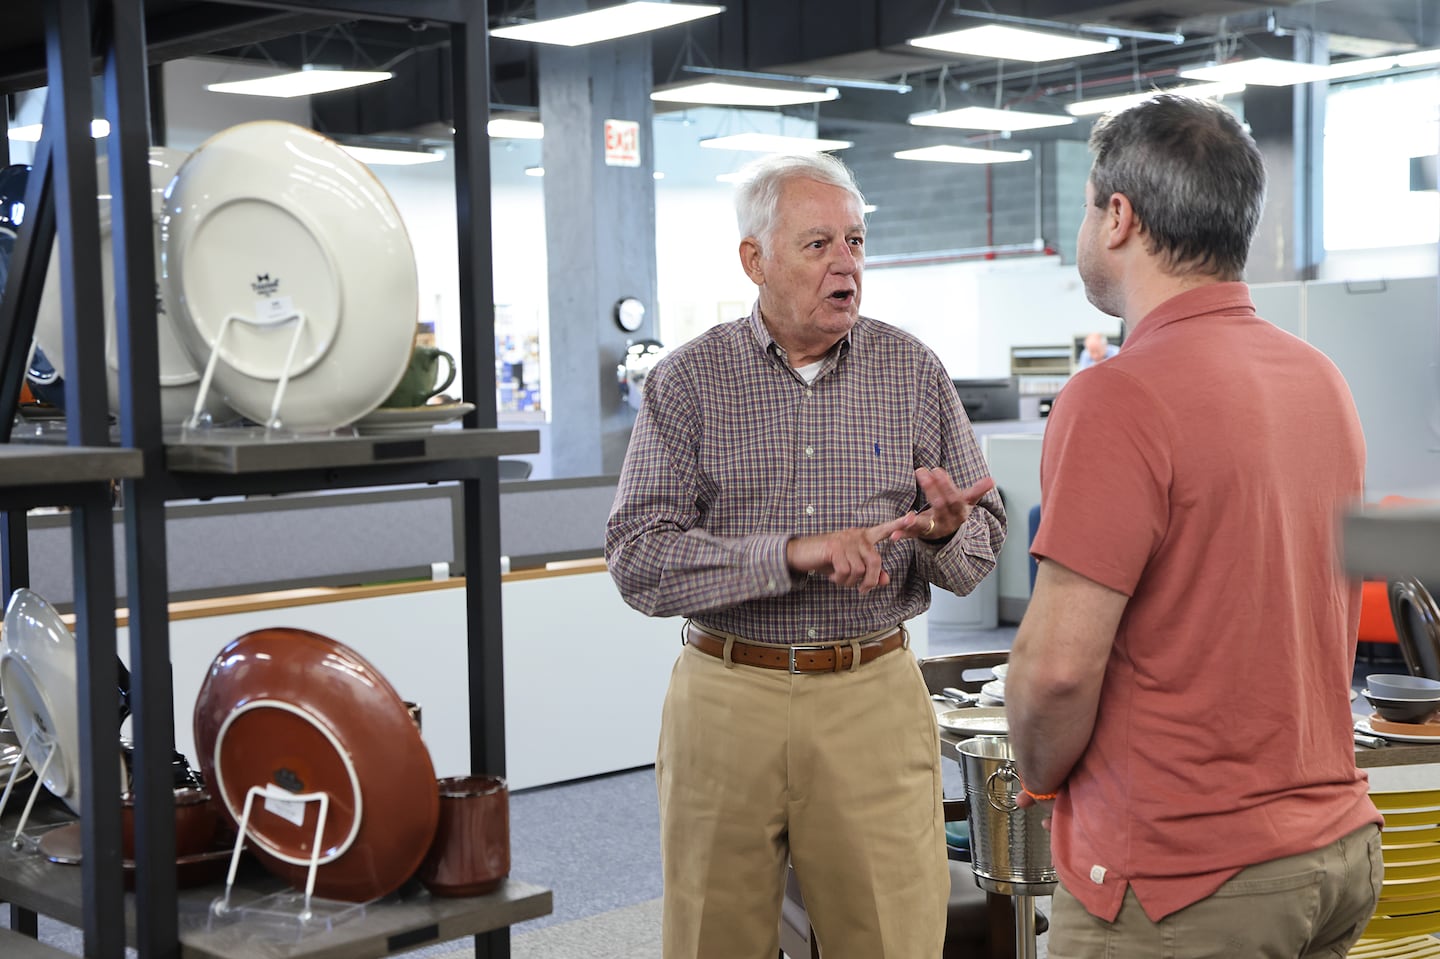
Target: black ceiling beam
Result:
[[433, 11], [187, 31]]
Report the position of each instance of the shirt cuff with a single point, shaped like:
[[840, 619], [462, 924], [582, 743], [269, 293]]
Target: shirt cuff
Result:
[[767, 559]]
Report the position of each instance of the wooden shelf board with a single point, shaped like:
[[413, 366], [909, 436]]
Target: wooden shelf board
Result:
[[386, 928], [24, 465], [395, 924], [234, 452]]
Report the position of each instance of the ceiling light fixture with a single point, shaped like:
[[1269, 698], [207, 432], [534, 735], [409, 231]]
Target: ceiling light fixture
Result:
[[30, 132], [504, 128], [1418, 58], [987, 118], [534, 171], [303, 82], [623, 20], [1014, 43], [946, 153], [735, 176], [381, 156], [1086, 108], [1261, 71], [774, 143], [716, 93], [823, 81], [1370, 65]]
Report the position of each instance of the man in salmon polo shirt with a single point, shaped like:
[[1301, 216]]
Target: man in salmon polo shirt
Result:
[[1179, 687]]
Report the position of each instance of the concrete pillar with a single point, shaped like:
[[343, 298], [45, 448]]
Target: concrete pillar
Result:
[[1288, 124], [600, 238]]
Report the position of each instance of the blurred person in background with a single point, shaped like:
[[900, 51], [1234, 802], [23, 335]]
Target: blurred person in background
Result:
[[1098, 348]]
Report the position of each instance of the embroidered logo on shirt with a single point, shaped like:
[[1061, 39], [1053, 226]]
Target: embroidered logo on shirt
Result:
[[1097, 875], [877, 450]]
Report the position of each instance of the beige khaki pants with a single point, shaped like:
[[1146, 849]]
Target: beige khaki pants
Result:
[[1308, 906], [839, 771]]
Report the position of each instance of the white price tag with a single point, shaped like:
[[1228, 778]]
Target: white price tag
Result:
[[274, 310], [287, 809]]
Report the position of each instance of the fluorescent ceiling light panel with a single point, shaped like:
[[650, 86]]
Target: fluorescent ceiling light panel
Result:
[[1370, 65], [1015, 43], [1086, 108], [607, 24], [734, 177], [379, 156], [1418, 58], [1262, 71], [30, 133], [988, 118], [953, 154], [507, 129], [719, 93], [301, 83], [534, 171], [774, 143]]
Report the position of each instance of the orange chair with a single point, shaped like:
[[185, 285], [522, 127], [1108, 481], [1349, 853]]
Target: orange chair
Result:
[[1376, 623]]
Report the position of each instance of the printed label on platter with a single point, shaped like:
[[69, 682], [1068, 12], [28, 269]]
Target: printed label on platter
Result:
[[289, 810], [274, 310]]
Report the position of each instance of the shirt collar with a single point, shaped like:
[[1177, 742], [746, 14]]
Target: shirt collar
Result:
[[770, 347], [1230, 297]]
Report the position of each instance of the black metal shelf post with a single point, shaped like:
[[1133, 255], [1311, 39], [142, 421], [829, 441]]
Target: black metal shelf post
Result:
[[137, 341], [471, 57]]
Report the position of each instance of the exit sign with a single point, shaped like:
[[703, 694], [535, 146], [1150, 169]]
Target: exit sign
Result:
[[622, 143]]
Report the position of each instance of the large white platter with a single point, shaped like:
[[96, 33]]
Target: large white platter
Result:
[[285, 255]]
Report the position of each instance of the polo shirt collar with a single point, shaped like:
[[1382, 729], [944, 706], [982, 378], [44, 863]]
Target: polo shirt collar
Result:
[[1230, 297]]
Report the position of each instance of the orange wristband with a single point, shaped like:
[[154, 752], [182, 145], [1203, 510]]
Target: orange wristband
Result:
[[1038, 797]]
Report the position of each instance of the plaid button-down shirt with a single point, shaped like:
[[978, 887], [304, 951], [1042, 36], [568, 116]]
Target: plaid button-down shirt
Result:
[[733, 453]]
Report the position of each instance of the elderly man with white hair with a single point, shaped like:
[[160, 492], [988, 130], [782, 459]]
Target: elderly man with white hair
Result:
[[796, 481]]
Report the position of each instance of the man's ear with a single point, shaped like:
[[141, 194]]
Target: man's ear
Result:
[[752, 260], [1120, 221]]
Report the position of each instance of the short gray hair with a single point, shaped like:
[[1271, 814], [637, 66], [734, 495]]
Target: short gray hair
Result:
[[757, 198], [1193, 175]]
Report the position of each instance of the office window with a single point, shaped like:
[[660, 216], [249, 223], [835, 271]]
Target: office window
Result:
[[1373, 130]]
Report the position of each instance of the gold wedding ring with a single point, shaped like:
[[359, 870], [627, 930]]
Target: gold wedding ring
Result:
[[929, 528]]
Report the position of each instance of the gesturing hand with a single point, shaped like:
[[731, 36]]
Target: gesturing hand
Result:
[[949, 507], [848, 557]]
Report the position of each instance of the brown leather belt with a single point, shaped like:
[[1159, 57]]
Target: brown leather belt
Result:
[[828, 658]]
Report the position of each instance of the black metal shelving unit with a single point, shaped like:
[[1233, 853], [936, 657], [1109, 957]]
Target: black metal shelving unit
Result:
[[152, 468]]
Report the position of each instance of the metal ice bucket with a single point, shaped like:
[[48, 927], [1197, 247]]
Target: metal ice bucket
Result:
[[1009, 849]]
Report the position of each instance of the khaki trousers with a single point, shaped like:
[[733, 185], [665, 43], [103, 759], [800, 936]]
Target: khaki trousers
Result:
[[1308, 906], [838, 771]]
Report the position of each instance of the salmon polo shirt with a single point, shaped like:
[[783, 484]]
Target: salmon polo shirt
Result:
[[1200, 472]]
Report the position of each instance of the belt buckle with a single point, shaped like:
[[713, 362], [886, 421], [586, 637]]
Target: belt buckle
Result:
[[794, 649]]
